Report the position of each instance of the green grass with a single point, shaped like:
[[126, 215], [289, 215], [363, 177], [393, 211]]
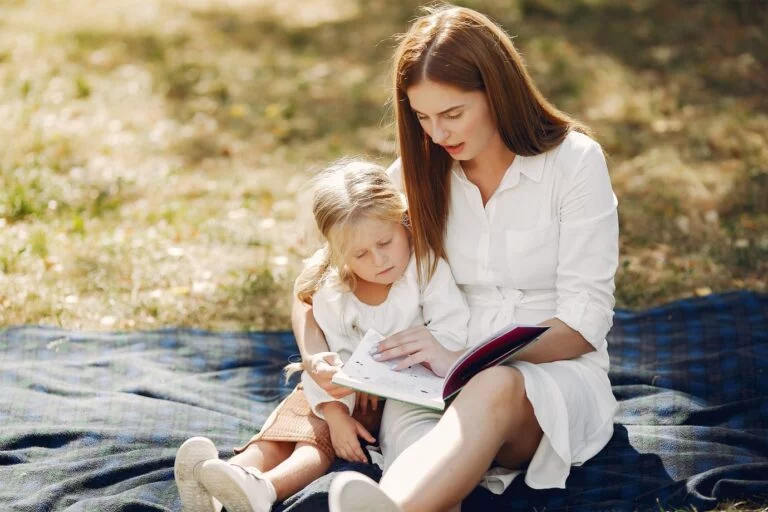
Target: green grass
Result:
[[157, 158]]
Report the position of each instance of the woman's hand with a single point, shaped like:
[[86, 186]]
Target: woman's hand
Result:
[[416, 345], [321, 367], [345, 431]]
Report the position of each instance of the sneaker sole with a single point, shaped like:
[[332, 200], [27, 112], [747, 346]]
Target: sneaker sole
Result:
[[194, 497]]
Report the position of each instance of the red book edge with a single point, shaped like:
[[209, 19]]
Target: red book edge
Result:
[[489, 353]]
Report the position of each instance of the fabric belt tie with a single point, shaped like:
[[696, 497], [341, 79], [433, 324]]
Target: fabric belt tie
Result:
[[505, 301]]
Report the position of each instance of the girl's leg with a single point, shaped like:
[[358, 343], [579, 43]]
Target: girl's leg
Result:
[[263, 455], [264, 473], [305, 465], [288, 466], [490, 419]]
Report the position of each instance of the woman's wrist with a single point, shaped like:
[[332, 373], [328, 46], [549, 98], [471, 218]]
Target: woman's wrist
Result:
[[456, 354]]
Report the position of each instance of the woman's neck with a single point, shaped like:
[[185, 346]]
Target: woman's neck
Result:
[[487, 169], [495, 158]]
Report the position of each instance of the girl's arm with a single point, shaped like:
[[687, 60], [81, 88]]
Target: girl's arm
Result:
[[444, 309], [318, 362], [345, 431]]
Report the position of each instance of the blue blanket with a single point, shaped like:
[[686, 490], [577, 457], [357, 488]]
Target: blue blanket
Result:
[[91, 421]]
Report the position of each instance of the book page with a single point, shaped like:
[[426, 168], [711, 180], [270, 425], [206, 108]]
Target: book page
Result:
[[415, 384]]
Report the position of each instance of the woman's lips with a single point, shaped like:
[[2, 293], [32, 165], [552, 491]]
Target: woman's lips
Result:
[[454, 149]]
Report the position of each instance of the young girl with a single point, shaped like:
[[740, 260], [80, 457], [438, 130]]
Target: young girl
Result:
[[363, 278]]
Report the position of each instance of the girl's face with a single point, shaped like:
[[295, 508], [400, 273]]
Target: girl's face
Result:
[[379, 251], [459, 121]]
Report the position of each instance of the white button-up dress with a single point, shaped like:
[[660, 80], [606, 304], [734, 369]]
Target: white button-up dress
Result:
[[544, 245]]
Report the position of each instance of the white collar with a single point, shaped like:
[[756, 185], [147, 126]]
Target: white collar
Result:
[[531, 166]]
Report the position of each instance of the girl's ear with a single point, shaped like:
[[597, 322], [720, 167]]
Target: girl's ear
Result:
[[406, 221]]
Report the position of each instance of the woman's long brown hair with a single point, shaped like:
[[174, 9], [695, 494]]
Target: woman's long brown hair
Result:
[[462, 48]]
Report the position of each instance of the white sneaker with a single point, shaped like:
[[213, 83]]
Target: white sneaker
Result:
[[239, 489], [189, 459], [354, 492]]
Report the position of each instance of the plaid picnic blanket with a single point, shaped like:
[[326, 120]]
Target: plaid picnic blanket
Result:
[[91, 421]]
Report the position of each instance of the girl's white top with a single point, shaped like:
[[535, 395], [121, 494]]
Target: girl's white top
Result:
[[344, 319], [544, 245]]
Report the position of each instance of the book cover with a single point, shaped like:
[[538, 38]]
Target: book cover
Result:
[[420, 386]]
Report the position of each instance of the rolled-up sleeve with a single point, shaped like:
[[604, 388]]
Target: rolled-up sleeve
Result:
[[444, 309], [317, 395], [588, 253]]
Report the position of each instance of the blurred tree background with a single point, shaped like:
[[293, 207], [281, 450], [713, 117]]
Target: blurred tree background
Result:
[[153, 153]]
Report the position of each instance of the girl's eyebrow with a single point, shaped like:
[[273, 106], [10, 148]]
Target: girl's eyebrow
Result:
[[443, 112]]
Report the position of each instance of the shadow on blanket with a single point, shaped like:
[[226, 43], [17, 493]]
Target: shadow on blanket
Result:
[[91, 421]]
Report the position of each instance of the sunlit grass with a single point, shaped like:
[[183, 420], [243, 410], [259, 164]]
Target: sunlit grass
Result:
[[158, 150]]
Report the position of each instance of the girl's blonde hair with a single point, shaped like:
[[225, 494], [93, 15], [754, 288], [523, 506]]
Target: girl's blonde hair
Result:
[[346, 193], [462, 48]]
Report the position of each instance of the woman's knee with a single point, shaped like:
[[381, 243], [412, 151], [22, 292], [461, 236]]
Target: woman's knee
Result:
[[498, 385]]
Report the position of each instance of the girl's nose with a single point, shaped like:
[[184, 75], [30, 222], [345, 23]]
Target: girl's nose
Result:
[[379, 257]]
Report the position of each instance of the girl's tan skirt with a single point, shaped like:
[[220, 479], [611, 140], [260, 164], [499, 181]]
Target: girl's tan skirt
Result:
[[294, 422]]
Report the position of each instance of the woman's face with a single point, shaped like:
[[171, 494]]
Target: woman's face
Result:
[[459, 121]]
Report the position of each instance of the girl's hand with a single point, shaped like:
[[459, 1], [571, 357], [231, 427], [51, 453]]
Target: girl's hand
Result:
[[364, 400], [345, 431], [416, 345], [321, 367]]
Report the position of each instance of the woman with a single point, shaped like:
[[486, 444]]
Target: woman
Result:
[[515, 195]]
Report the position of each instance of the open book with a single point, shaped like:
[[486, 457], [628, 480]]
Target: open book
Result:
[[420, 386]]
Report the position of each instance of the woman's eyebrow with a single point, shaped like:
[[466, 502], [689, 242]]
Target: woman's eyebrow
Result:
[[443, 112]]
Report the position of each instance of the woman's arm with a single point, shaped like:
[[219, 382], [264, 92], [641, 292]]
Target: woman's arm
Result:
[[318, 362], [309, 336], [442, 338], [587, 261], [558, 343], [417, 345]]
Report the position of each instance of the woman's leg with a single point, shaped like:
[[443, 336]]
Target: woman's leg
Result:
[[403, 424], [490, 419]]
